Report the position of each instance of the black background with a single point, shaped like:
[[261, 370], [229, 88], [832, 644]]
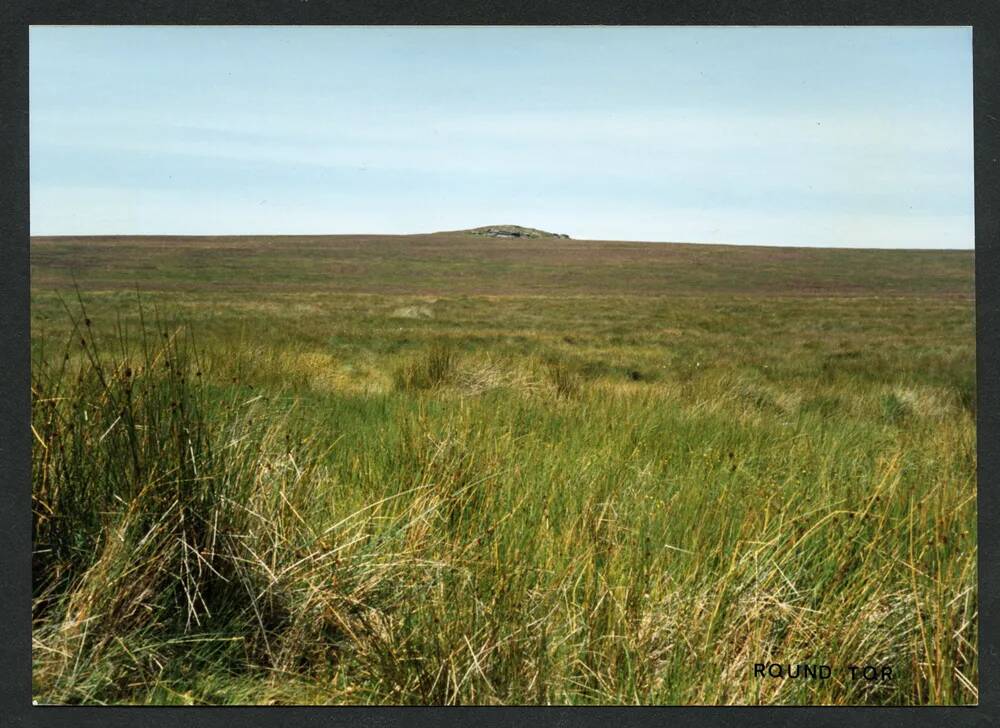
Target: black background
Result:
[[15, 471]]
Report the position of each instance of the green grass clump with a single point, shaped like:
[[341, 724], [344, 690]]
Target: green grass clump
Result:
[[564, 379], [432, 369], [895, 408], [168, 527]]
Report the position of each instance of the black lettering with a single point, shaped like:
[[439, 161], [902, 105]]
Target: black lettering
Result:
[[758, 669]]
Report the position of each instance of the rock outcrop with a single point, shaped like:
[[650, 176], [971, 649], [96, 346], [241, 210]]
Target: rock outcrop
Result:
[[513, 231]]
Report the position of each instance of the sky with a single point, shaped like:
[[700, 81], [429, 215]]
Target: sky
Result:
[[855, 137]]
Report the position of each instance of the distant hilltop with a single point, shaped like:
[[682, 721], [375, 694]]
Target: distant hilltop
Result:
[[512, 231]]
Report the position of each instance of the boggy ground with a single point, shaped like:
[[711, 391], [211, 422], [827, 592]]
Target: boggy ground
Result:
[[444, 469]]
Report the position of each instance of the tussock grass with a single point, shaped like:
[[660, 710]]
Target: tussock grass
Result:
[[169, 525], [433, 369], [358, 508], [563, 378]]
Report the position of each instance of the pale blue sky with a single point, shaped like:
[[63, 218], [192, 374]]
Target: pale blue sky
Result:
[[792, 136]]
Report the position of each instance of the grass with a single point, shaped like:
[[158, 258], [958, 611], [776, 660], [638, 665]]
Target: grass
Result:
[[561, 492]]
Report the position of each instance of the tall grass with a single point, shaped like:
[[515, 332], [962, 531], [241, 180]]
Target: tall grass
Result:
[[432, 369], [168, 526], [444, 541]]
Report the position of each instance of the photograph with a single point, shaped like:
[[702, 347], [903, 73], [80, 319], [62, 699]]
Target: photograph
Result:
[[534, 365]]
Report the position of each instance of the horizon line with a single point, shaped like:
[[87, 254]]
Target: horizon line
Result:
[[817, 246]]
